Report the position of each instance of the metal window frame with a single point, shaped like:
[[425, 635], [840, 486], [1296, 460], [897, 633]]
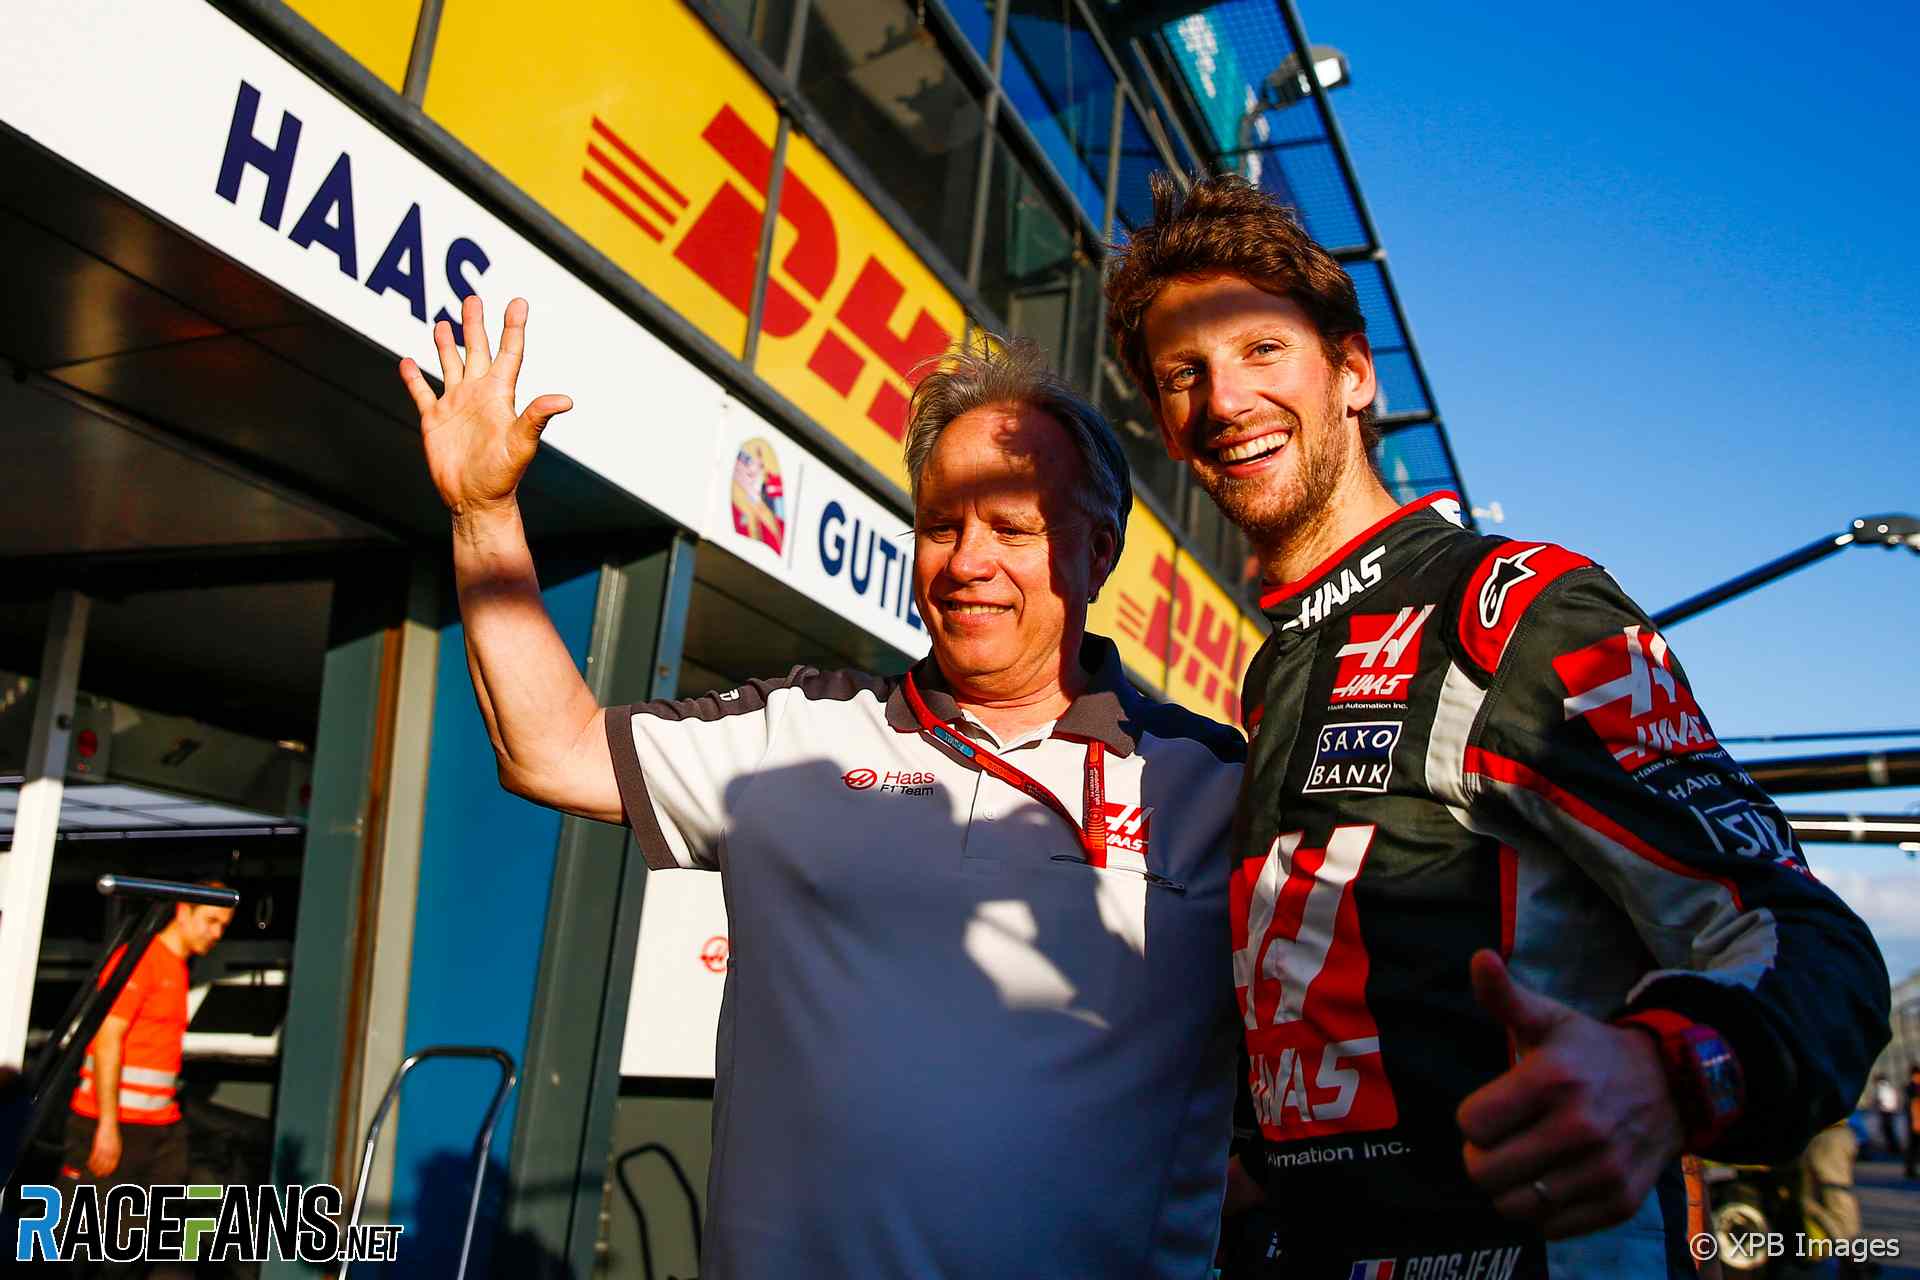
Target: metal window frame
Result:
[[563, 1128]]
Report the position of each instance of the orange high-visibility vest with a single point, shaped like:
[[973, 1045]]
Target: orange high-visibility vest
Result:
[[154, 1003]]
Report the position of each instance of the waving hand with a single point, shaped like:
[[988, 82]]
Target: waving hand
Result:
[[477, 447]]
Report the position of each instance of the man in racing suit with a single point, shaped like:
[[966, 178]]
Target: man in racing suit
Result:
[[1511, 930]]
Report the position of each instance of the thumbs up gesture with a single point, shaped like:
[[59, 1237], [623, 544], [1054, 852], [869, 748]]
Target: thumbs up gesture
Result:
[[1572, 1136]]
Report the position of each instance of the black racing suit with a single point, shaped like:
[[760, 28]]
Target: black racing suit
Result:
[[1464, 742]]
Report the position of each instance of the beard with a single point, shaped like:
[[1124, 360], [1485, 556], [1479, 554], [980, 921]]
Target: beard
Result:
[[1275, 511]]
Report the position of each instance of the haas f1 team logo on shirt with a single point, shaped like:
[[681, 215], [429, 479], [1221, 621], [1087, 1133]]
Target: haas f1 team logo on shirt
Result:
[[1627, 689], [1127, 828], [1381, 656]]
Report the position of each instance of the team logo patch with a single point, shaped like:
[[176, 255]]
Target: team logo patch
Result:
[[1627, 689], [1381, 655], [1127, 827], [859, 779], [1354, 757]]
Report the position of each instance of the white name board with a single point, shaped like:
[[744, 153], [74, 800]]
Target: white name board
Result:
[[186, 113], [787, 513]]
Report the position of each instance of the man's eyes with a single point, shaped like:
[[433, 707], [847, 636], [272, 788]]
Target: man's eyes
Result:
[[1004, 532], [1179, 378]]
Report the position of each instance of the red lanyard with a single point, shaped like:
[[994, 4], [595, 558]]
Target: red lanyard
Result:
[[1093, 836]]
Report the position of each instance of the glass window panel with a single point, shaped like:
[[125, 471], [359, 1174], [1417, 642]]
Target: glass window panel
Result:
[[1027, 266], [975, 20], [1058, 81], [765, 22], [1139, 158], [886, 90], [1139, 435]]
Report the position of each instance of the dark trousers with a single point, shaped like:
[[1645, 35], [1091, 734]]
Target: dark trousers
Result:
[[151, 1155]]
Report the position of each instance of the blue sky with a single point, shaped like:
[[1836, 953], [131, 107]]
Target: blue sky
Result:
[[1660, 264]]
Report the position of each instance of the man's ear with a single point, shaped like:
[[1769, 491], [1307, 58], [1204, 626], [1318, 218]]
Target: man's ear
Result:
[[1360, 385], [1104, 546]]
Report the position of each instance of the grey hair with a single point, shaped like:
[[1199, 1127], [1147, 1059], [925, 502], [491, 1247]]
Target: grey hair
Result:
[[989, 370]]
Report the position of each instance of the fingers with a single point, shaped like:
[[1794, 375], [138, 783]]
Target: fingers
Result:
[[1507, 1170], [1515, 1099], [1584, 1196], [534, 418], [473, 322], [513, 340], [1526, 1014], [417, 387], [452, 367]]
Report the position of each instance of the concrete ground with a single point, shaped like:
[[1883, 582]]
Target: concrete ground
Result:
[[1890, 1208]]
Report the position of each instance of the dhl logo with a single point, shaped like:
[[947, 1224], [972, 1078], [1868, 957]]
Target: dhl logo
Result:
[[1201, 648], [720, 243]]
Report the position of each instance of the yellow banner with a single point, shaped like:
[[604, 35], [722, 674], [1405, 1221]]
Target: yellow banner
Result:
[[637, 128], [377, 36], [612, 115], [1175, 626], [843, 353]]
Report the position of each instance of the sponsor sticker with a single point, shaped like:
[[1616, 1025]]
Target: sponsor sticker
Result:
[[1357, 756]]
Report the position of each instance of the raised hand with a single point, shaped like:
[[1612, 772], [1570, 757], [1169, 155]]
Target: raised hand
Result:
[[477, 446], [1573, 1136]]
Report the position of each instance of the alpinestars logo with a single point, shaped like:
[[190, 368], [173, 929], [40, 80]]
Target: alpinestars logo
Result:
[[1508, 573], [1381, 656], [1626, 688]]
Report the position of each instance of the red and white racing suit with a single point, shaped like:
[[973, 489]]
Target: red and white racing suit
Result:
[[1464, 742]]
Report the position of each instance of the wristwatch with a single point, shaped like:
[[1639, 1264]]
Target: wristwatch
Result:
[[1708, 1086]]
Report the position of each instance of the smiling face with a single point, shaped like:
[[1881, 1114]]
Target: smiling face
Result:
[[1004, 560], [1246, 395]]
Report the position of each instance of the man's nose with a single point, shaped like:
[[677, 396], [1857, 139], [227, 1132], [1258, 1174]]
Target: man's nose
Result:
[[1230, 392], [972, 559]]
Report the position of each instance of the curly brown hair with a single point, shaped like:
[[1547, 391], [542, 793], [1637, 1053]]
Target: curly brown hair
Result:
[[1223, 225]]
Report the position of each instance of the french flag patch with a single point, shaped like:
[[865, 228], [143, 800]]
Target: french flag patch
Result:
[[1378, 1269]]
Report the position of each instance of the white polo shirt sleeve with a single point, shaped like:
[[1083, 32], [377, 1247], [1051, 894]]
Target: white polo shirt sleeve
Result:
[[677, 762]]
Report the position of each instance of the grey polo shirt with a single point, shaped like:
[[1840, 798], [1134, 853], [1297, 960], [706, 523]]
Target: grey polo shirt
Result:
[[947, 1046]]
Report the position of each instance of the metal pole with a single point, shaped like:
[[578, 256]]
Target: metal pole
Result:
[[1780, 568], [28, 868], [1856, 828], [1849, 771], [1891, 531]]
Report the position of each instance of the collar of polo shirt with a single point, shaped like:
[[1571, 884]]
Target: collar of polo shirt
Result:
[[1103, 712]]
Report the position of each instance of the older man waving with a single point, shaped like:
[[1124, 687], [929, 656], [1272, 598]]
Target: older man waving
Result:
[[979, 1021]]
